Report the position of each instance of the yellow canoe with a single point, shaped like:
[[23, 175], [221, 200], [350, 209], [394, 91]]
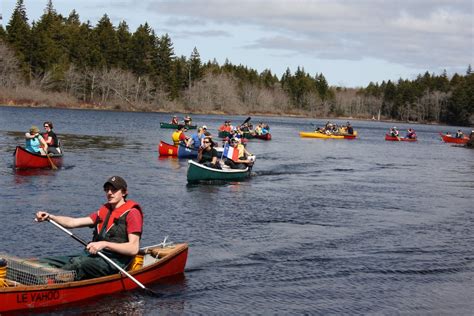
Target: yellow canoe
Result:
[[324, 135]]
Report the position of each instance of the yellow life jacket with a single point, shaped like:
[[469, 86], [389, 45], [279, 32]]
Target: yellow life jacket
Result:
[[175, 137]]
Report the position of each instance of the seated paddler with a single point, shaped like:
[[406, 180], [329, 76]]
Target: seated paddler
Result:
[[117, 225], [207, 154], [239, 157], [178, 135]]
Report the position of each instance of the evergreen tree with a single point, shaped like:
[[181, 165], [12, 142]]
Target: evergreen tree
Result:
[[3, 34], [164, 62], [124, 37], [74, 44], [19, 34], [460, 108], [195, 68], [300, 87], [269, 80], [142, 50], [389, 96], [48, 37], [456, 80], [107, 42], [441, 83], [181, 75], [322, 86], [84, 52]]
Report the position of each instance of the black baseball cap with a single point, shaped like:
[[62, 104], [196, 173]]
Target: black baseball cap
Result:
[[117, 182]]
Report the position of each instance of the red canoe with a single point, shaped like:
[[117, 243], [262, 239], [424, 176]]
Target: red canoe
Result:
[[450, 139], [165, 149], [398, 139], [266, 136], [26, 160], [17, 297]]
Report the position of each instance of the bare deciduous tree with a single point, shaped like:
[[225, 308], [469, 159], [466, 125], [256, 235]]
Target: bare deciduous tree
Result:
[[9, 67]]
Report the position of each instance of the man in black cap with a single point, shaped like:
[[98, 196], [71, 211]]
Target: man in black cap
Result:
[[117, 226]]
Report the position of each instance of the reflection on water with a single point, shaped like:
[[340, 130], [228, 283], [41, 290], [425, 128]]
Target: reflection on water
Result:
[[81, 142], [172, 162], [74, 142], [22, 173], [133, 303]]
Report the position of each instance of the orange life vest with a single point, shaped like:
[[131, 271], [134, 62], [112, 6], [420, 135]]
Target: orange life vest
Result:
[[111, 225]]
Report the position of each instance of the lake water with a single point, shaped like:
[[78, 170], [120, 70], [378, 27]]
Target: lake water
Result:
[[359, 226]]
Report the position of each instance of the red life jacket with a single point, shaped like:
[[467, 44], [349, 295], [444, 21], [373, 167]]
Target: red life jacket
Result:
[[116, 229]]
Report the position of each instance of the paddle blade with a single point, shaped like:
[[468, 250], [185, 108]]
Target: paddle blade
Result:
[[53, 166], [152, 293], [246, 120]]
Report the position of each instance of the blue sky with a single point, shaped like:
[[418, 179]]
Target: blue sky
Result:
[[351, 42]]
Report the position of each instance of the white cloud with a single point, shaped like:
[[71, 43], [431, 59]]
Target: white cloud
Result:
[[405, 36], [422, 33]]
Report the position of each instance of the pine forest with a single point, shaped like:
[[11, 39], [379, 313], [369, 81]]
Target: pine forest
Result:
[[63, 62]]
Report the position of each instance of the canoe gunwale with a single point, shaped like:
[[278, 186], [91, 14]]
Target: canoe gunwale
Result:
[[218, 170], [218, 174]]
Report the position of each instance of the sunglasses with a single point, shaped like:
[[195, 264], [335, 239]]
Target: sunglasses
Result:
[[46, 126], [111, 189], [206, 142]]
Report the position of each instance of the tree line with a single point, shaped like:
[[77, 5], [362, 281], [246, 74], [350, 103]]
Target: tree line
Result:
[[68, 62]]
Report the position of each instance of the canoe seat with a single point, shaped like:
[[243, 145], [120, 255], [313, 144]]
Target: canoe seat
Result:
[[160, 252]]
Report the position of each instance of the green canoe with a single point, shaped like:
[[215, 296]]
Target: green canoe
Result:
[[224, 134], [175, 126], [198, 172]]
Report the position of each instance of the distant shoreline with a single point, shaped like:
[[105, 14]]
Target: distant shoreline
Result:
[[88, 106]]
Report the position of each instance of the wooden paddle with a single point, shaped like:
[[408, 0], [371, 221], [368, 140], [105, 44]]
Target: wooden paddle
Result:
[[147, 290], [53, 166]]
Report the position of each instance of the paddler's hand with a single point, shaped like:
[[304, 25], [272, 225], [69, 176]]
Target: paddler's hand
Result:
[[95, 247], [41, 216]]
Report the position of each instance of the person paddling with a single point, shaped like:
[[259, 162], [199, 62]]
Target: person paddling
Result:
[[178, 135], [51, 139], [34, 142], [243, 155], [207, 154], [195, 141], [459, 134], [411, 133], [174, 120], [394, 132], [118, 226]]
